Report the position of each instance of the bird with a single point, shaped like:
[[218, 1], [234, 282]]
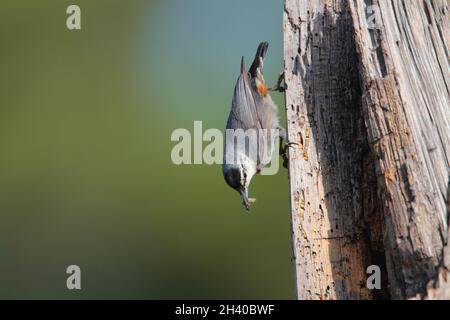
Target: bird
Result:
[[253, 113]]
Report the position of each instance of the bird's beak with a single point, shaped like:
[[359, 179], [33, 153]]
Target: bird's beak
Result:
[[245, 201]]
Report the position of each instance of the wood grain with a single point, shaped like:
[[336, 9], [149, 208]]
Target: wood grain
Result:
[[368, 108], [332, 182], [404, 70]]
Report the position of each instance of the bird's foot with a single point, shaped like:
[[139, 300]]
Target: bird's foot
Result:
[[278, 86], [284, 151]]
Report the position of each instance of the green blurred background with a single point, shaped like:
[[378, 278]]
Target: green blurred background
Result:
[[86, 176]]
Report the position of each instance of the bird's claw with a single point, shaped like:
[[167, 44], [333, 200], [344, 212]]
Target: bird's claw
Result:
[[284, 151], [278, 86]]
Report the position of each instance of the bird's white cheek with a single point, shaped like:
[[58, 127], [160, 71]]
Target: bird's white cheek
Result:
[[250, 175]]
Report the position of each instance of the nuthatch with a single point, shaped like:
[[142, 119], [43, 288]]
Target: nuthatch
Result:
[[252, 109]]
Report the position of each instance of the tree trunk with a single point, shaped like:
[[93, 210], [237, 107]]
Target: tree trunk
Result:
[[332, 182], [367, 104], [439, 287], [405, 78]]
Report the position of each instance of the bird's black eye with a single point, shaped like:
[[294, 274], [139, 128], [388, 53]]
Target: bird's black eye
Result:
[[245, 175], [232, 177]]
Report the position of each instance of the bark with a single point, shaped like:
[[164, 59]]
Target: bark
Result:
[[439, 288], [332, 182], [367, 104], [405, 73]]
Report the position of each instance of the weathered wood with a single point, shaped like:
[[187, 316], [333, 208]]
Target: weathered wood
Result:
[[369, 173], [405, 74], [439, 288], [332, 182]]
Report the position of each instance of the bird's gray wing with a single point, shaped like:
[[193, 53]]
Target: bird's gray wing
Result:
[[244, 114]]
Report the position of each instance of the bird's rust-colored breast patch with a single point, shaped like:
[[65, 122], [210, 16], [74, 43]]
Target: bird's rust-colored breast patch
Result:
[[262, 89]]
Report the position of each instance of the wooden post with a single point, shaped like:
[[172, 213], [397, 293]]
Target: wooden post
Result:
[[367, 106], [405, 76], [332, 182], [439, 287]]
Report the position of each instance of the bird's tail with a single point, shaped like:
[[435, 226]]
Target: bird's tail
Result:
[[260, 54]]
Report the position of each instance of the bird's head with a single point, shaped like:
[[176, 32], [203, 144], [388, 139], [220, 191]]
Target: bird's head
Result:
[[238, 177]]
